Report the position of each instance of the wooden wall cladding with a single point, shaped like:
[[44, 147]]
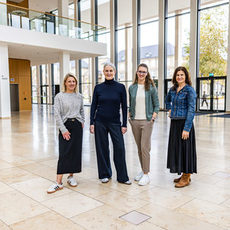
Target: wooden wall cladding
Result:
[[20, 73], [24, 3]]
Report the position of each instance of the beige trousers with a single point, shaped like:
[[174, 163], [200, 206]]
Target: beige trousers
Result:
[[142, 130]]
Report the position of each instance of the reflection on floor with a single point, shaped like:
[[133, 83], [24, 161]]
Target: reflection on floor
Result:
[[28, 157]]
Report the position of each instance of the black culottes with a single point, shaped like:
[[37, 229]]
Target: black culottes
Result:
[[181, 153], [70, 152]]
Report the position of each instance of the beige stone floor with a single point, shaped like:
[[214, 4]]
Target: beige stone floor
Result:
[[28, 157]]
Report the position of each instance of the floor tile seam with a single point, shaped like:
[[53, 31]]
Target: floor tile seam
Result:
[[202, 220], [125, 194], [85, 211], [5, 223], [31, 217], [212, 202], [158, 226], [222, 203], [188, 216], [199, 217], [193, 198]]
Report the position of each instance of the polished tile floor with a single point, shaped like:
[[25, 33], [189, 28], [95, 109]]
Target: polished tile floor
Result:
[[28, 158]]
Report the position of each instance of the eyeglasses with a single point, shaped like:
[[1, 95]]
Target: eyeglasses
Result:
[[141, 72]]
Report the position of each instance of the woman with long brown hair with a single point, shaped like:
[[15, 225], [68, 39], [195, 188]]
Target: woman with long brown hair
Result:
[[181, 103], [143, 109]]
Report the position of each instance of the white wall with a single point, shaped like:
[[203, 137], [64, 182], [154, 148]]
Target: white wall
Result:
[[4, 83]]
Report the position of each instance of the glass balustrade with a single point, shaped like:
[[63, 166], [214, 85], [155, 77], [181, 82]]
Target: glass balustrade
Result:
[[24, 18]]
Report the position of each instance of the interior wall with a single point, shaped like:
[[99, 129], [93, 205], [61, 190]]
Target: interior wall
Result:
[[20, 73], [24, 3]]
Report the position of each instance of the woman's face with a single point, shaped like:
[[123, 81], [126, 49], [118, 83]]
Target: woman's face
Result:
[[180, 77], [70, 84], [109, 72], [142, 73]]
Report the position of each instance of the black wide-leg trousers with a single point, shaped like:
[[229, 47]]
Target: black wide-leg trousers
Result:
[[103, 154]]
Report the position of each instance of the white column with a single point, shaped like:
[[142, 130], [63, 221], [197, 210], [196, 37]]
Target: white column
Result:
[[3, 13], [112, 32], [63, 11], [49, 83], [228, 69], [5, 110], [126, 56], [38, 84], [193, 41], [161, 57], [77, 73], [134, 19], [63, 8], [92, 60], [64, 60]]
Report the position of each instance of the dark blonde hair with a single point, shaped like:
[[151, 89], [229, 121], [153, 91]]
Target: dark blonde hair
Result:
[[187, 77], [65, 79], [148, 80]]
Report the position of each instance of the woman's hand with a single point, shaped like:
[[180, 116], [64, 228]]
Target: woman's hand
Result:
[[82, 124], [154, 116], [169, 113], [91, 129], [123, 130], [66, 135], [185, 135]]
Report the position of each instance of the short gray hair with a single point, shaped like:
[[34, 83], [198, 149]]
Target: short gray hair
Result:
[[109, 64]]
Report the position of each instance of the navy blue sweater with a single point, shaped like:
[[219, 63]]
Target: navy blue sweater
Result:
[[108, 98]]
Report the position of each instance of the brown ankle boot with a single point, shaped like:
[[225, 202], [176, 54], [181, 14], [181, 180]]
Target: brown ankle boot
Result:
[[178, 179], [184, 181]]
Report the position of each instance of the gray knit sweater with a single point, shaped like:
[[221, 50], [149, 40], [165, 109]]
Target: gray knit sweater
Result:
[[68, 105]]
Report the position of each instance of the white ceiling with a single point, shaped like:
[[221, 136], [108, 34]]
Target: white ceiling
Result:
[[44, 5], [40, 55]]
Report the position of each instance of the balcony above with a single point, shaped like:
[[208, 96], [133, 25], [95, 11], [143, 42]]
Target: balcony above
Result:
[[41, 37]]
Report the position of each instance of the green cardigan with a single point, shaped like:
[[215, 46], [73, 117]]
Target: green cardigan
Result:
[[151, 101]]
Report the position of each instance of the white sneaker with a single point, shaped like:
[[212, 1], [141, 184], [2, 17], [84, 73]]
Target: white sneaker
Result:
[[105, 180], [139, 176], [144, 180], [71, 181], [54, 187], [128, 182]]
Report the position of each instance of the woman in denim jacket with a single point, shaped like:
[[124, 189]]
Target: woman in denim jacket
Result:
[[144, 106], [181, 102]]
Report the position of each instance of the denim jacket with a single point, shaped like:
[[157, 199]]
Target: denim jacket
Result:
[[182, 105], [151, 101]]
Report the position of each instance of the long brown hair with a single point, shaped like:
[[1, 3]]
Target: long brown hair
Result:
[[187, 76], [148, 80]]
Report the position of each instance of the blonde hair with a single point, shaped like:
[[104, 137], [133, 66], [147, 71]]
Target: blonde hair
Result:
[[65, 79]]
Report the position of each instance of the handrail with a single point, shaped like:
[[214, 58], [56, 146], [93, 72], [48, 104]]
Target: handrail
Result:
[[47, 13]]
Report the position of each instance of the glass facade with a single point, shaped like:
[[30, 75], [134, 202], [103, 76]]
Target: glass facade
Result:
[[212, 42]]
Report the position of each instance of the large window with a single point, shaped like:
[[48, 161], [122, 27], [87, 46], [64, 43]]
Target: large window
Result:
[[35, 85], [213, 38], [124, 42], [178, 35], [86, 80], [103, 19]]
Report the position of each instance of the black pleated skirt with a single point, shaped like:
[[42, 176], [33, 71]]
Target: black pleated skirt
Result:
[[70, 152], [181, 153]]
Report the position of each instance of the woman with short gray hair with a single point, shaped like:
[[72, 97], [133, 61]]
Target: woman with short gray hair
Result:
[[108, 97]]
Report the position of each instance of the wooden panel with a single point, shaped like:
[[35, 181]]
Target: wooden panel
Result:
[[20, 72], [24, 3]]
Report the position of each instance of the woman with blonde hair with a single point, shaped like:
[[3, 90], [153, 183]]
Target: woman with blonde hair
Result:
[[143, 109], [69, 115]]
